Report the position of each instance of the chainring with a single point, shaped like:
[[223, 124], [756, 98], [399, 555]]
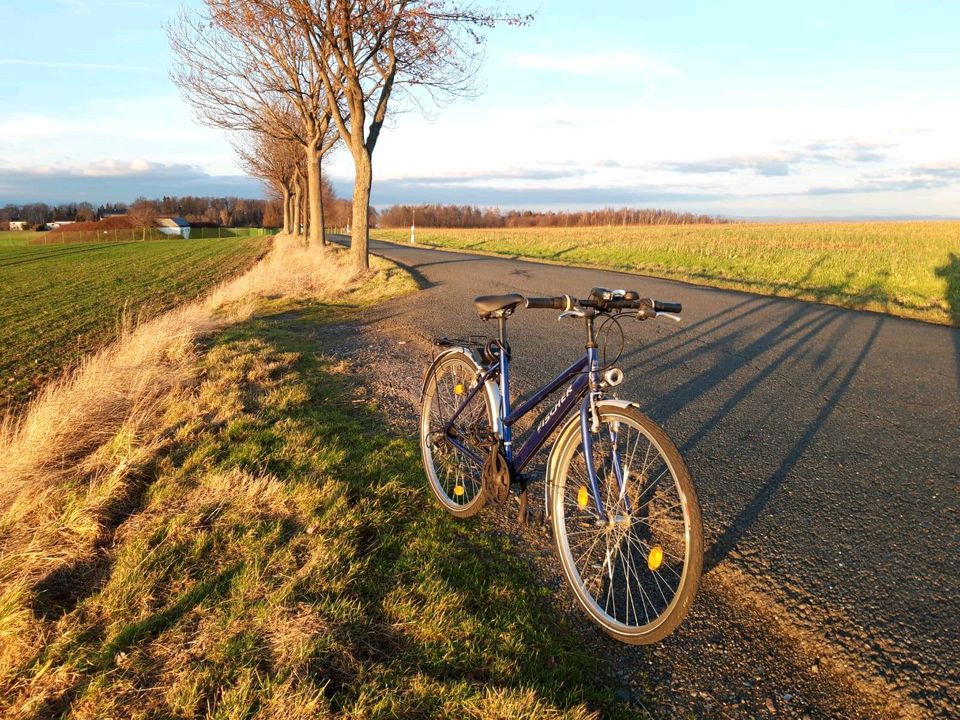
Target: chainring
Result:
[[496, 477]]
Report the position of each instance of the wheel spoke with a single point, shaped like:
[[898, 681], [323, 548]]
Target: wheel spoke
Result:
[[455, 475], [628, 566]]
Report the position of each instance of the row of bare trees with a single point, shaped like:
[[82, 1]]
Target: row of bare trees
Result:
[[293, 79], [469, 216]]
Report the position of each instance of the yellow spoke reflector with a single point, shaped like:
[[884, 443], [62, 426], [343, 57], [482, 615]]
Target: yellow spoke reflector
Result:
[[583, 497], [655, 558], [458, 390], [459, 491]]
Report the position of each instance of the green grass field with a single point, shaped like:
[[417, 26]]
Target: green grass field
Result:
[[59, 302], [911, 269], [14, 238]]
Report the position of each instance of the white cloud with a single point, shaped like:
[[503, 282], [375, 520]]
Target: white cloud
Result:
[[795, 157], [112, 181], [122, 130], [115, 168]]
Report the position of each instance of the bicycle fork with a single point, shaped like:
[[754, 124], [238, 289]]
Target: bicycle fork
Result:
[[589, 424], [586, 410]]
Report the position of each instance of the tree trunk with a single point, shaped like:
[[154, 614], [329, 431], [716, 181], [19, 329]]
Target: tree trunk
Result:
[[296, 210], [290, 206], [323, 220], [286, 211], [304, 216], [314, 195], [360, 232]]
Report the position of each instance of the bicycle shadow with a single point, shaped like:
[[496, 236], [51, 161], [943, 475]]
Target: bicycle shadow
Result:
[[751, 512], [789, 378]]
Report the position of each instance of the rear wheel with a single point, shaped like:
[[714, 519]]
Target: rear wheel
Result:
[[636, 568], [454, 477]]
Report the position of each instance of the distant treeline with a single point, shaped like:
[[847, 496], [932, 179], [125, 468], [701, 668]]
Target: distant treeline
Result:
[[220, 211], [198, 211], [469, 216], [242, 212]]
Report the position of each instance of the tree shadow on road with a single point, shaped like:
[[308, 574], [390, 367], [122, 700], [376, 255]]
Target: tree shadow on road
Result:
[[788, 378], [951, 273], [751, 512]]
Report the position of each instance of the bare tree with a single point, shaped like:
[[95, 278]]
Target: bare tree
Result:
[[277, 162], [244, 65], [143, 212], [366, 49]]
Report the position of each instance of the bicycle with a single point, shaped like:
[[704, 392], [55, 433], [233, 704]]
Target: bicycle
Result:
[[618, 496]]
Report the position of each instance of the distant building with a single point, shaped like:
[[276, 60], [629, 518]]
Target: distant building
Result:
[[57, 223], [174, 226], [111, 214], [17, 224]]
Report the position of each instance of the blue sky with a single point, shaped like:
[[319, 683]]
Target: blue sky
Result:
[[741, 108]]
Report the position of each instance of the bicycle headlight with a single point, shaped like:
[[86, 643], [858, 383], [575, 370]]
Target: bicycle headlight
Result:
[[613, 377]]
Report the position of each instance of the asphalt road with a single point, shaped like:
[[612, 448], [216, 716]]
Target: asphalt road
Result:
[[824, 443]]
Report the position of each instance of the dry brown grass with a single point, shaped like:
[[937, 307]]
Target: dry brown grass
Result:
[[69, 464], [252, 544]]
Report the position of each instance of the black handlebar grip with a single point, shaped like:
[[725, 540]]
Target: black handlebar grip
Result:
[[547, 303], [667, 307]]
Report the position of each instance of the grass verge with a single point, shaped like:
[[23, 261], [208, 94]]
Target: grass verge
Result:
[[277, 556], [909, 269]]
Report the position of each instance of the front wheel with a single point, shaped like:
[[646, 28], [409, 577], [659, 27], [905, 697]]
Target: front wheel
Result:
[[635, 566]]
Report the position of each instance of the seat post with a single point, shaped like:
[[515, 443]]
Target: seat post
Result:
[[502, 330]]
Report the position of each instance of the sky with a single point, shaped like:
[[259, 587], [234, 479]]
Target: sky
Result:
[[741, 108]]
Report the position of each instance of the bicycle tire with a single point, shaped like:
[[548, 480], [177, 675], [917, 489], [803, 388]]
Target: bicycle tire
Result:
[[454, 480], [645, 526]]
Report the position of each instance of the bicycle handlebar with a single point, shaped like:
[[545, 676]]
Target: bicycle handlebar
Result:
[[565, 302], [669, 307], [562, 302]]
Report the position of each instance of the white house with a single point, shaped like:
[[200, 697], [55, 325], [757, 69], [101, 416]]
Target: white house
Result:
[[17, 225], [174, 226]]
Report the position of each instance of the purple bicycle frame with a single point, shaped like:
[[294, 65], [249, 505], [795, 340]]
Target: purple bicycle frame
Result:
[[575, 394], [582, 371]]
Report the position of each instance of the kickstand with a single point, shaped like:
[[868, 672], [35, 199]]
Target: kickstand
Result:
[[522, 512]]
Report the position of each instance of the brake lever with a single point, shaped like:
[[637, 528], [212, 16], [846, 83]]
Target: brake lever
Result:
[[668, 315], [577, 313]]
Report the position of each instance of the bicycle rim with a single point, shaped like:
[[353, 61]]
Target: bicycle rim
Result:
[[454, 478], [634, 570]]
